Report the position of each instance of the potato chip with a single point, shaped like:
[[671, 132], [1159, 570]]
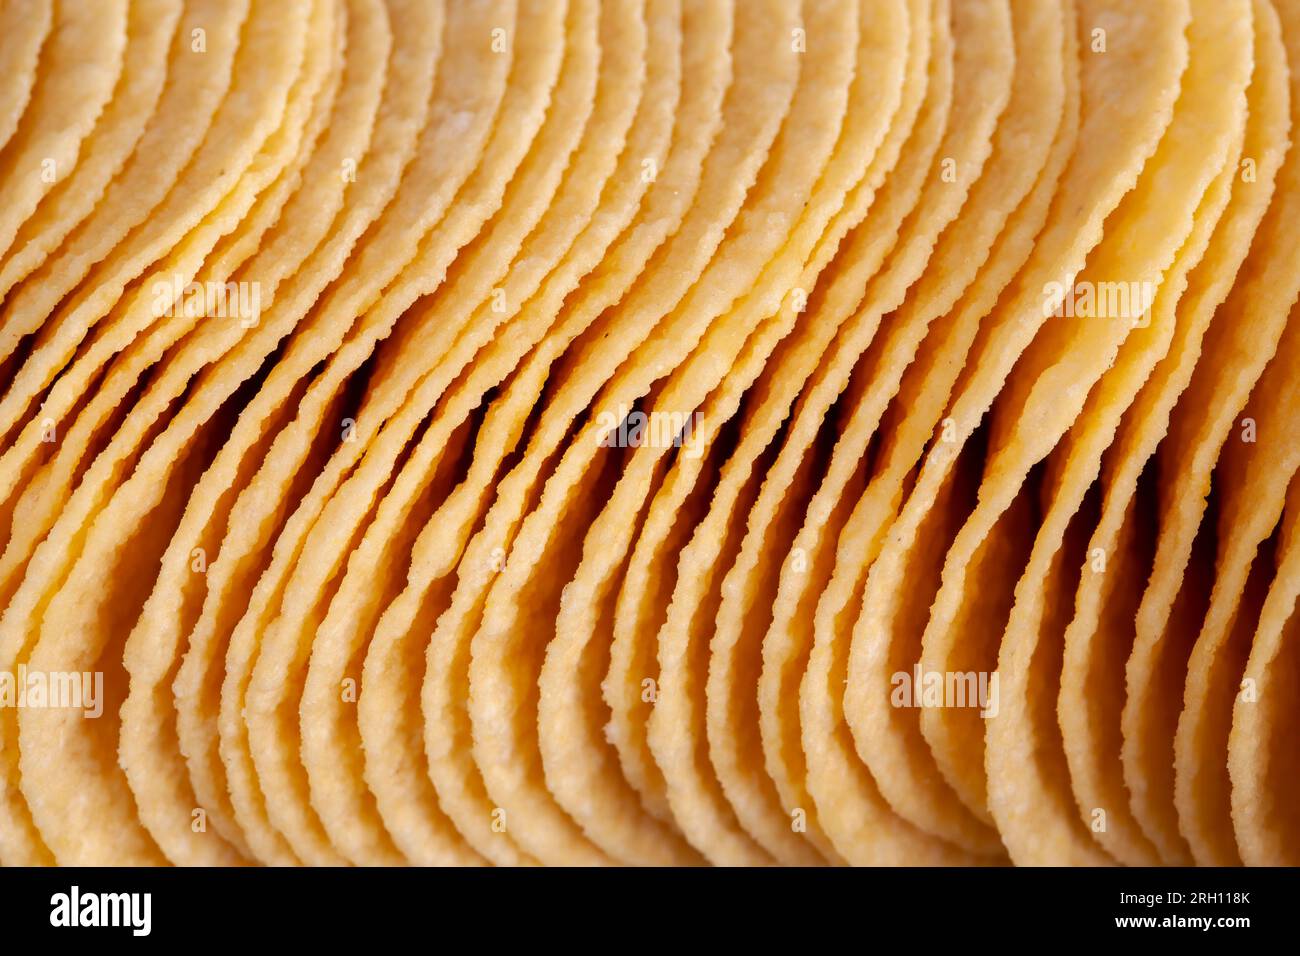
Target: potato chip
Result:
[[772, 495], [280, 166], [923, 392], [569, 669], [500, 681], [1260, 760], [29, 602], [646, 589], [737, 154], [1141, 351], [1248, 328], [884, 49], [866, 249], [653, 432], [466, 85], [981, 26], [458, 228], [1100, 636], [64, 645], [271, 706], [78, 69], [238, 130], [150, 302], [925, 298], [1059, 248], [148, 751], [1045, 825], [374, 569], [195, 88], [1254, 477], [150, 28], [706, 27], [339, 527], [174, 608], [24, 25], [400, 119]]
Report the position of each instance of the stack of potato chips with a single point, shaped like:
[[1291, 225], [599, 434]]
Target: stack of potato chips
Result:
[[651, 432]]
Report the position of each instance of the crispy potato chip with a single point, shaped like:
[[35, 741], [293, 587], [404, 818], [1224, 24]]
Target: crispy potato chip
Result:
[[279, 163], [148, 752], [1245, 336], [925, 300], [682, 678], [78, 69], [1104, 170], [198, 683], [24, 26], [836, 204], [646, 590], [1014, 723], [174, 608], [991, 36], [186, 108], [270, 713], [373, 577], [339, 526], [154, 299], [503, 657], [74, 633], [1254, 477], [29, 601], [650, 432], [884, 48], [471, 84], [707, 29], [194, 90], [1191, 193], [1100, 636], [923, 393], [1145, 346], [640, 602], [980, 27], [172, 611], [789, 783], [150, 28], [1261, 759], [756, 101], [185, 225]]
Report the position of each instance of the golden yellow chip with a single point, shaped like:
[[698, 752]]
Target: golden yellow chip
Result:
[[150, 29], [1254, 477], [372, 576], [1202, 192], [77, 71], [1205, 418], [1101, 634], [148, 749], [63, 645], [24, 25], [575, 662], [706, 25], [1261, 762], [650, 432], [403, 113]]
